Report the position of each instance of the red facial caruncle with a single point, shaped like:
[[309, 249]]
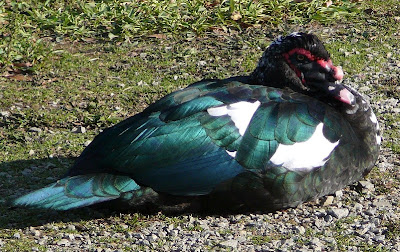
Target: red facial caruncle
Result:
[[321, 68], [326, 64]]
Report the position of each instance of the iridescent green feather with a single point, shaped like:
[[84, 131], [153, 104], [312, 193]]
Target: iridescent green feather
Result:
[[254, 153], [264, 122], [332, 126], [189, 108], [78, 191], [281, 129], [297, 131], [302, 113]]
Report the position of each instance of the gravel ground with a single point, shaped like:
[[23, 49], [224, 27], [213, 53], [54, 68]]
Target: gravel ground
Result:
[[364, 216]]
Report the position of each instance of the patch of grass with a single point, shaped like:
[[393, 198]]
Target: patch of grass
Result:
[[345, 239], [29, 24], [393, 229], [194, 228], [264, 239], [24, 245], [392, 134], [260, 239]]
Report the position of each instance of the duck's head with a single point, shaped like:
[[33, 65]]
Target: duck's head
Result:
[[300, 62]]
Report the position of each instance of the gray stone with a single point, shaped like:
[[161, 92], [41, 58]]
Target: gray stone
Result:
[[365, 186], [138, 236], [338, 213], [379, 238], [71, 227], [328, 218], [35, 129], [202, 63], [70, 237], [152, 238], [174, 232], [79, 129], [35, 232], [396, 110], [382, 203], [86, 143], [358, 206], [4, 113], [63, 242], [371, 211], [328, 201], [300, 229], [339, 194], [229, 244], [144, 243]]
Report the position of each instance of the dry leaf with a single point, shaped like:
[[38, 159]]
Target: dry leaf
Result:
[[328, 3], [23, 64], [18, 77], [88, 40], [219, 31], [44, 82], [133, 54], [212, 4], [158, 36], [236, 16]]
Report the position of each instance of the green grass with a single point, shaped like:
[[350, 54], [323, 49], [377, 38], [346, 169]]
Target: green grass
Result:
[[259, 239], [28, 25]]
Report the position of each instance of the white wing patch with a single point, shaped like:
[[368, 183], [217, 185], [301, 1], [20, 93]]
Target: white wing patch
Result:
[[373, 119], [231, 153], [305, 155], [240, 113], [378, 139]]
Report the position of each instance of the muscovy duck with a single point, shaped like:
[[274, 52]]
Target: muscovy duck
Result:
[[286, 134]]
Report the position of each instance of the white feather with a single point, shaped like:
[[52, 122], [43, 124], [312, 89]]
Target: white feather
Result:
[[218, 111], [372, 117], [240, 113], [305, 155], [231, 153], [378, 139]]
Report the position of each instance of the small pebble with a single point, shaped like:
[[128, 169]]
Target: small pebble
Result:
[[35, 129], [229, 244], [338, 213], [71, 227], [328, 201], [79, 129], [63, 242]]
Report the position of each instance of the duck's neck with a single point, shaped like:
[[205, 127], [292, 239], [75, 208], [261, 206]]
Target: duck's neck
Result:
[[273, 71], [365, 125]]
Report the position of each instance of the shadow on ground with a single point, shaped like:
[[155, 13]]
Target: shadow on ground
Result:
[[22, 176]]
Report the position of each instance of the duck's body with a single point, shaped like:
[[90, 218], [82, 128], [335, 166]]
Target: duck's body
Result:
[[239, 140]]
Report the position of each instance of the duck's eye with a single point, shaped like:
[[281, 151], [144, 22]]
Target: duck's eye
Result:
[[300, 57]]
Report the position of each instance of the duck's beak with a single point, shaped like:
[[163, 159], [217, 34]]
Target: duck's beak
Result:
[[327, 78], [339, 91]]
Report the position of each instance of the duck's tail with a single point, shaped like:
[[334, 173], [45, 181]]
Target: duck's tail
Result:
[[78, 191]]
